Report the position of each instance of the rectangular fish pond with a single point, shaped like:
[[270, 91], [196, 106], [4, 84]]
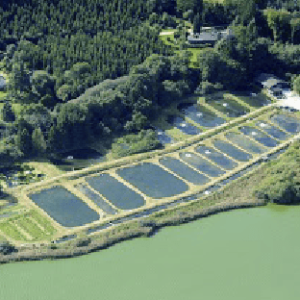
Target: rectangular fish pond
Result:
[[200, 115], [231, 150], [253, 99], [287, 122], [201, 164], [97, 199], [153, 181], [259, 136], [272, 130], [229, 107], [244, 142], [64, 207], [162, 137], [184, 171], [184, 126], [115, 191], [77, 159], [217, 157]]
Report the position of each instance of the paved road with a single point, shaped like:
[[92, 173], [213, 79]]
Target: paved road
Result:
[[172, 32], [167, 33]]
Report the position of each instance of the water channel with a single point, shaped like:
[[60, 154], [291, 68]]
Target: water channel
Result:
[[243, 254]]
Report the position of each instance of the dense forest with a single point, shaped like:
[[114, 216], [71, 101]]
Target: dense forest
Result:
[[84, 70]]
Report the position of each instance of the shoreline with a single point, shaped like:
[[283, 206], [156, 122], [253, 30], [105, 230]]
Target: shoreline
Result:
[[144, 227]]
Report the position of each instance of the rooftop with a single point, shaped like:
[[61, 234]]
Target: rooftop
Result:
[[209, 36], [204, 36]]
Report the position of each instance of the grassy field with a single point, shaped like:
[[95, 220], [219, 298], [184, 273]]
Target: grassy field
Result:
[[30, 226], [11, 231], [44, 166], [2, 94], [169, 40]]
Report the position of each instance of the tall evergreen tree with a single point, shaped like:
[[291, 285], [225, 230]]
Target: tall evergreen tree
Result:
[[24, 141], [39, 145], [54, 140], [197, 23], [19, 79], [8, 114], [195, 5]]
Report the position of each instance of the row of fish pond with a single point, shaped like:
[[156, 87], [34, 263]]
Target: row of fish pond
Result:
[[129, 187], [149, 211], [201, 115], [207, 118]]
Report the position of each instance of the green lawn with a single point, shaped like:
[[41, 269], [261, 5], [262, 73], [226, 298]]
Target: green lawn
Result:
[[2, 239], [31, 228], [17, 107], [26, 222], [10, 230], [45, 223], [195, 52], [2, 94], [169, 40]]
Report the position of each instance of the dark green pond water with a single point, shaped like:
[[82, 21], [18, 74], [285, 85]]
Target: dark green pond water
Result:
[[115, 191], [217, 157], [259, 136], [201, 164], [182, 125], [244, 254], [272, 130], [64, 207], [200, 115], [162, 137], [253, 99], [184, 171], [229, 107], [77, 159], [287, 122], [245, 143], [232, 150], [97, 199], [153, 181]]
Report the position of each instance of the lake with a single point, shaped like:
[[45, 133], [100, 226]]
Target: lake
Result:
[[243, 254]]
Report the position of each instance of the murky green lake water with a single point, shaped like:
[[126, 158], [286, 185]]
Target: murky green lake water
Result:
[[244, 254]]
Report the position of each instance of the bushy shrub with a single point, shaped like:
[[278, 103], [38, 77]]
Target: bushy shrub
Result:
[[7, 248], [83, 242], [135, 143], [207, 87], [282, 179]]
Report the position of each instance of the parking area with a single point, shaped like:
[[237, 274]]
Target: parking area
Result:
[[290, 101]]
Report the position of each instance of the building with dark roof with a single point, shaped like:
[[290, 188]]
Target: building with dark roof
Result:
[[208, 37]]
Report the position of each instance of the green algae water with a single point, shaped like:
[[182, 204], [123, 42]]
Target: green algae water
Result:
[[242, 254]]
